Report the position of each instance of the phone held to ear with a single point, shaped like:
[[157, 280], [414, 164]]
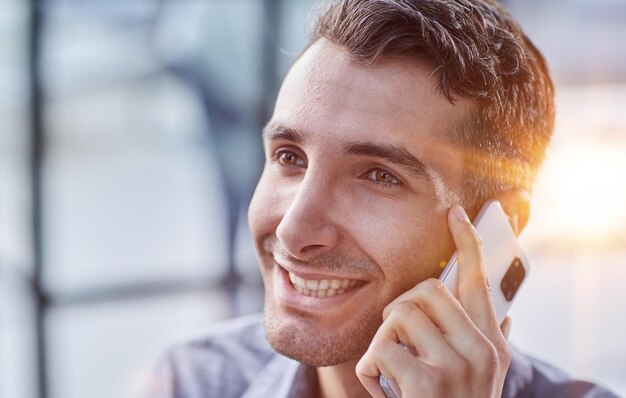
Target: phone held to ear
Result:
[[505, 263]]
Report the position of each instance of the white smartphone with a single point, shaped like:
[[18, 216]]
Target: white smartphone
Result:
[[505, 263]]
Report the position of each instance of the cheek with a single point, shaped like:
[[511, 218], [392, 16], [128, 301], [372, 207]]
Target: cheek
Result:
[[407, 238]]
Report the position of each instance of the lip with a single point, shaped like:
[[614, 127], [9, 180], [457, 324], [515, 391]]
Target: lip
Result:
[[317, 275], [289, 297]]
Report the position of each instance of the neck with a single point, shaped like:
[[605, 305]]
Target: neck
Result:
[[340, 381]]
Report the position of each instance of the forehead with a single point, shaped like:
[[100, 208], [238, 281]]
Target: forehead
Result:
[[396, 94], [335, 99]]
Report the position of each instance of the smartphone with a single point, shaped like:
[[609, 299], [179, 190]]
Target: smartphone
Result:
[[505, 263]]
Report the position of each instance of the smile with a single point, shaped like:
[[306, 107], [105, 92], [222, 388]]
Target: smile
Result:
[[321, 288]]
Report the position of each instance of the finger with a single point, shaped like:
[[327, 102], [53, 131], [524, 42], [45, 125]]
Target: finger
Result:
[[372, 385], [506, 327], [445, 313], [430, 294], [473, 286], [409, 325], [385, 356], [368, 369]]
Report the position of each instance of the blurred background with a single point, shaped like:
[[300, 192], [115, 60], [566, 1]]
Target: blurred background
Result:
[[130, 147]]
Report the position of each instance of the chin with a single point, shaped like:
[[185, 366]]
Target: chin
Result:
[[307, 341]]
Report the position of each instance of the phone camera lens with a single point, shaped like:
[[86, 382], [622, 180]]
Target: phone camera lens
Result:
[[513, 279]]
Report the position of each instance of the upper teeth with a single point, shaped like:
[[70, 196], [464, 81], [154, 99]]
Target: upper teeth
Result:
[[321, 288]]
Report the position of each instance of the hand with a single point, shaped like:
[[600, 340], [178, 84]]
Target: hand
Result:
[[456, 347]]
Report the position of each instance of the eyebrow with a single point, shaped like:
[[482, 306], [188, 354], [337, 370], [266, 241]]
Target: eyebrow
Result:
[[278, 131], [396, 154]]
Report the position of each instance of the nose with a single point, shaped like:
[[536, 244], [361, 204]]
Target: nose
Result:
[[309, 226]]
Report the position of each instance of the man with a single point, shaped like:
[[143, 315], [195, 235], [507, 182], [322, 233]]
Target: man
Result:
[[399, 119]]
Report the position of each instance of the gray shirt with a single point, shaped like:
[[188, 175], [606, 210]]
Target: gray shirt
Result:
[[237, 361]]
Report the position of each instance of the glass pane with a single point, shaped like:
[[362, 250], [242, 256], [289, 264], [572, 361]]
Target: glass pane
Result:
[[576, 37], [17, 336], [570, 314], [133, 183], [219, 48], [109, 349], [91, 44], [220, 43], [131, 196], [296, 17], [579, 197], [575, 240], [15, 246]]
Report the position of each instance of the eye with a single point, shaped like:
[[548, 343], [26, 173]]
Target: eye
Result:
[[382, 177], [289, 158]]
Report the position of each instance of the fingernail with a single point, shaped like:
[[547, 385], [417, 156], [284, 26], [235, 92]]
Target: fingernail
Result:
[[460, 214]]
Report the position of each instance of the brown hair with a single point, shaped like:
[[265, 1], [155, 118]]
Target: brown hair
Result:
[[479, 53]]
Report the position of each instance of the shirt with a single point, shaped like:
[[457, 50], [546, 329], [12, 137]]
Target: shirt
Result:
[[235, 360]]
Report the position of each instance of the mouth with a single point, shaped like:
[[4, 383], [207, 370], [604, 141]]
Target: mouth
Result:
[[314, 291], [322, 288]]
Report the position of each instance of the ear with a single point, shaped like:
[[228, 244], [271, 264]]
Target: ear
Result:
[[516, 205]]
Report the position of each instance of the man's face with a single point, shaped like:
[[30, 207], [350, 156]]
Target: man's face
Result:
[[352, 201]]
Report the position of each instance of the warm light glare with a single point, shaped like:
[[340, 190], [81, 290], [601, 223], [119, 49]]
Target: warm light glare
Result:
[[585, 185]]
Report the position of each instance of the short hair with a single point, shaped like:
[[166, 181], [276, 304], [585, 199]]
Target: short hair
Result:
[[479, 52]]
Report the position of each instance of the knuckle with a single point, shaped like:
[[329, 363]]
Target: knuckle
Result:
[[428, 288], [403, 310], [485, 352], [425, 293], [506, 356], [490, 358], [387, 311], [432, 285], [364, 363], [376, 346]]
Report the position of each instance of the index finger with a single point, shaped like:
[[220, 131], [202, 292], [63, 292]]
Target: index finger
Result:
[[473, 285]]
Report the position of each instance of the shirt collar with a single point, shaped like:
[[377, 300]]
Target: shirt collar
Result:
[[275, 379], [286, 378], [283, 378]]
